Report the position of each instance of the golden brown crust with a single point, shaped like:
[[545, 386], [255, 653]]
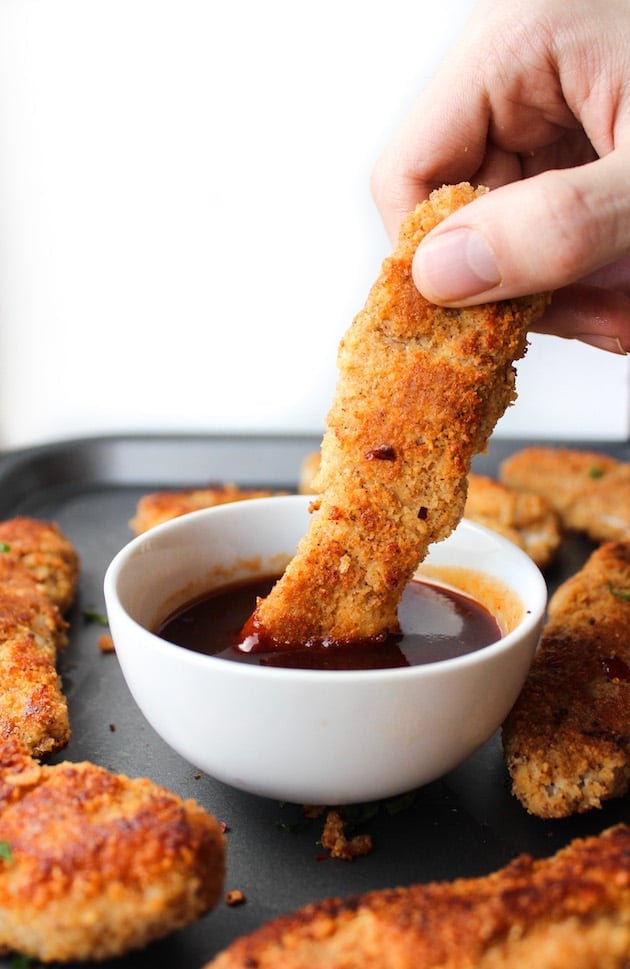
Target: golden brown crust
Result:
[[161, 506], [567, 739], [420, 389], [33, 709], [308, 472], [46, 553], [98, 863], [590, 491], [525, 518], [569, 910]]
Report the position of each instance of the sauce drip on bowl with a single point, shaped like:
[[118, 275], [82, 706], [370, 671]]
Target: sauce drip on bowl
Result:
[[437, 623]]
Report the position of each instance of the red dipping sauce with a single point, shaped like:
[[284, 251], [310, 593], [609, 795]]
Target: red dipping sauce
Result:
[[437, 623]]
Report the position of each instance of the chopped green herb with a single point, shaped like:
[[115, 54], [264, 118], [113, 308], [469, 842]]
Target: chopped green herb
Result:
[[291, 828], [91, 615], [619, 593], [4, 547], [360, 813], [5, 851], [596, 472], [22, 962], [398, 804]]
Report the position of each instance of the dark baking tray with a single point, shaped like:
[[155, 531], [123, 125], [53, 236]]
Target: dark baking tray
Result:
[[465, 824]]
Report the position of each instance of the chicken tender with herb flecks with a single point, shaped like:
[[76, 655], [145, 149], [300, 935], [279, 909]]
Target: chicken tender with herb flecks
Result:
[[590, 491], [419, 392], [570, 910], [567, 739], [46, 553], [96, 864], [33, 709]]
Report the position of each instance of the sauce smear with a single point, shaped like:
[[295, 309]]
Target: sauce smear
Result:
[[437, 623]]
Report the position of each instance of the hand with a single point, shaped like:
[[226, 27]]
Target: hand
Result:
[[534, 102]]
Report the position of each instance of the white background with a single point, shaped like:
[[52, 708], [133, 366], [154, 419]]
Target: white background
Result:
[[186, 227]]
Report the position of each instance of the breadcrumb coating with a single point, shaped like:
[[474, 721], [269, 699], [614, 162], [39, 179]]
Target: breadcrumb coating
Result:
[[46, 553], [160, 506], [569, 910], [526, 519], [96, 864], [590, 491], [33, 709], [419, 392], [567, 739]]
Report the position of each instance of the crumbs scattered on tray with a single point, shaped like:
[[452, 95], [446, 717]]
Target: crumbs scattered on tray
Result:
[[96, 617], [338, 844], [235, 897], [338, 838], [106, 643]]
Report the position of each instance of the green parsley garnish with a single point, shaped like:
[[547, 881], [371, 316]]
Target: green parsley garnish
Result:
[[92, 615], [4, 547], [401, 803], [22, 962], [619, 593], [5, 851], [596, 472]]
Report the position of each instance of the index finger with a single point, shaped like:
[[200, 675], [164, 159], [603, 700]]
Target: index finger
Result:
[[439, 142]]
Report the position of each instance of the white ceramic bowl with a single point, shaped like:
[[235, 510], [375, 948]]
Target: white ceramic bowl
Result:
[[319, 737]]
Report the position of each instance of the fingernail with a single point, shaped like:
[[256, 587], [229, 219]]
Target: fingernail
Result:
[[455, 266], [610, 343]]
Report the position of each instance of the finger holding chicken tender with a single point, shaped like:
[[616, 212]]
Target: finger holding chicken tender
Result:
[[567, 739], [96, 864], [420, 389]]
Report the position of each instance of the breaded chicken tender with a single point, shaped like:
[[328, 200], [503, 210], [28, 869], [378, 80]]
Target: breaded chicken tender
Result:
[[161, 506], [567, 739], [309, 469], [46, 553], [590, 491], [525, 518], [569, 910], [96, 864], [420, 389], [33, 709]]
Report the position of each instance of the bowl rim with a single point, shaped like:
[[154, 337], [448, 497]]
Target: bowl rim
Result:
[[532, 616]]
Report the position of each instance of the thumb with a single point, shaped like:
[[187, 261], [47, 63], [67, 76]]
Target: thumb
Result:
[[529, 236]]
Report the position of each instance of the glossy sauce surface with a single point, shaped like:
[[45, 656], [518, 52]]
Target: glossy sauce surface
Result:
[[437, 623]]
